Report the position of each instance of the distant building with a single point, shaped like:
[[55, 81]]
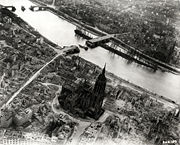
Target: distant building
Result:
[[40, 40], [1, 18], [84, 101], [5, 118], [177, 112], [12, 134], [7, 19], [23, 117]]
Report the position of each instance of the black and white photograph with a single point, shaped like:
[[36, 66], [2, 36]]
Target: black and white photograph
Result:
[[89, 72]]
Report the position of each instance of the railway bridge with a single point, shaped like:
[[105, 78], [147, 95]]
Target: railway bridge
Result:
[[118, 47]]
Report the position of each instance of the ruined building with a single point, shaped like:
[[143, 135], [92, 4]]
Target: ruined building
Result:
[[85, 101]]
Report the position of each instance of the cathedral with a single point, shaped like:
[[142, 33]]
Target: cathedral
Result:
[[85, 101]]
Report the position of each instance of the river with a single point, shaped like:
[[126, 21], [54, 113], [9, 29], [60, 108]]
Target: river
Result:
[[62, 33]]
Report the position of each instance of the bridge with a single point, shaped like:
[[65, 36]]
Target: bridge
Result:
[[11, 8], [120, 48], [97, 41], [38, 8], [87, 30]]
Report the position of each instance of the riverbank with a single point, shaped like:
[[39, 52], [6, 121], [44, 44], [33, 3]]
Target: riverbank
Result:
[[147, 91], [16, 40], [58, 73], [37, 95], [26, 26], [119, 81], [144, 59]]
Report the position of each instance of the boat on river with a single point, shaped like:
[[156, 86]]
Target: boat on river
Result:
[[23, 8]]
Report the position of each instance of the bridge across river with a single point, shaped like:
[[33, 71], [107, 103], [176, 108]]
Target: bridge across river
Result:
[[104, 38], [38, 8], [100, 41], [96, 41]]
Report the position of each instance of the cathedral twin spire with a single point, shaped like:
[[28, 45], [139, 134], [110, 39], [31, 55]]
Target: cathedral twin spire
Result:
[[104, 69], [100, 83]]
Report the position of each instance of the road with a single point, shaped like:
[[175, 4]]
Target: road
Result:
[[58, 51], [29, 81]]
